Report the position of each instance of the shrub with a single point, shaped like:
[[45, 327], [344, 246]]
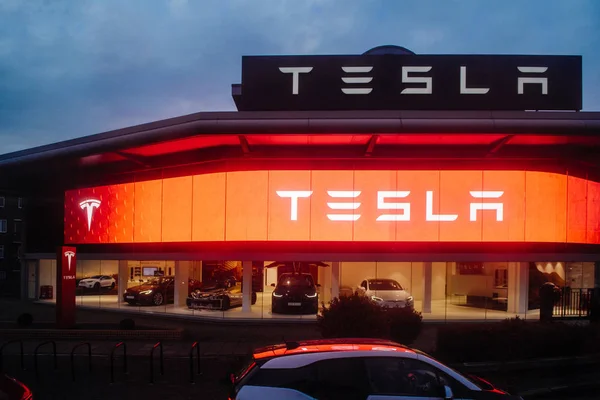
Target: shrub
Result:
[[127, 324], [353, 316], [405, 324], [25, 320]]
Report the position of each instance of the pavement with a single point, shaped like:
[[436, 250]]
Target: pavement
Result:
[[222, 348]]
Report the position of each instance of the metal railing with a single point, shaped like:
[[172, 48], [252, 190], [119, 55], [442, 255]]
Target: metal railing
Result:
[[35, 357], [2, 353], [112, 360], [89, 347], [162, 365], [574, 303], [195, 346]]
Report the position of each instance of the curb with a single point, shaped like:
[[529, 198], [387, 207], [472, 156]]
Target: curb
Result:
[[88, 334]]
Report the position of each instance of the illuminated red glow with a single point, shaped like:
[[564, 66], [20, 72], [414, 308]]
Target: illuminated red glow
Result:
[[245, 206]]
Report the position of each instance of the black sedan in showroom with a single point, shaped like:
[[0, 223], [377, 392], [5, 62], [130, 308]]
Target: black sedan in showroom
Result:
[[214, 297], [295, 293], [156, 292]]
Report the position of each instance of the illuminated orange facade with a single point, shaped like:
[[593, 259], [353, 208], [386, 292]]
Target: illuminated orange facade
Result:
[[342, 205]]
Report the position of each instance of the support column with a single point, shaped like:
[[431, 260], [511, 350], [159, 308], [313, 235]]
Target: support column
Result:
[[124, 277], [182, 276], [427, 284], [246, 285], [335, 279], [518, 287]]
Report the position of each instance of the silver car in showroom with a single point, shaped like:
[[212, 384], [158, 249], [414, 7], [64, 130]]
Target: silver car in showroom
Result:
[[386, 293]]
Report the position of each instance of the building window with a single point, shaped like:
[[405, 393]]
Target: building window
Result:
[[18, 224], [1, 251], [3, 225], [2, 202], [20, 202]]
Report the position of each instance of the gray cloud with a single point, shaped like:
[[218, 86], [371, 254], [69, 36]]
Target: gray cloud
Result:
[[70, 69]]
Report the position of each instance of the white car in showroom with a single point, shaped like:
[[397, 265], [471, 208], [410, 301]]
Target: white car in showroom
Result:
[[386, 293], [97, 282]]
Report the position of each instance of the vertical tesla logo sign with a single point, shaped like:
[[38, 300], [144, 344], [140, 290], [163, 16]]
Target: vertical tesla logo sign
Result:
[[66, 259], [403, 210], [89, 206], [69, 255]]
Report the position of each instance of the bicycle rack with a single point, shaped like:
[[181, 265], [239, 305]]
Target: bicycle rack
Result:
[[2, 355], [112, 360], [35, 357], [89, 347], [162, 367], [197, 347]]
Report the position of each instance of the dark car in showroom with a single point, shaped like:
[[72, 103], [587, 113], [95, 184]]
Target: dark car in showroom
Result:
[[213, 297], [295, 293], [155, 292]]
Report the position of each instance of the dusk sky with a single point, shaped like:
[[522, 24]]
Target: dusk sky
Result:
[[79, 67]]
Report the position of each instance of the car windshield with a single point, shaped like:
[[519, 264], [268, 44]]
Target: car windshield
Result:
[[384, 284], [296, 280], [95, 277]]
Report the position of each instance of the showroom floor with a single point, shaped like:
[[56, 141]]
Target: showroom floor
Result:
[[440, 310]]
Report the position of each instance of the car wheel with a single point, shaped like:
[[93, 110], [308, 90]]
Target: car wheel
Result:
[[253, 298], [96, 286], [157, 299], [112, 286], [226, 304]]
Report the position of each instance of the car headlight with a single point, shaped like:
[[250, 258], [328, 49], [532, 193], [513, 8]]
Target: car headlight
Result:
[[146, 291], [277, 295], [375, 298], [311, 296], [409, 299]]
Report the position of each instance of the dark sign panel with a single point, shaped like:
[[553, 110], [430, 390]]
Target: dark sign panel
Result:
[[66, 261], [411, 82]]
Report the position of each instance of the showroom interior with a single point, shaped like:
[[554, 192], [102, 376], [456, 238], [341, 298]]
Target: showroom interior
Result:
[[441, 290]]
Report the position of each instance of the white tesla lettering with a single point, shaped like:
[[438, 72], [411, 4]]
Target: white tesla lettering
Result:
[[343, 194], [357, 80], [69, 255], [427, 80], [430, 216], [89, 206], [498, 207], [382, 205], [403, 208], [294, 195], [521, 81], [295, 71], [463, 84]]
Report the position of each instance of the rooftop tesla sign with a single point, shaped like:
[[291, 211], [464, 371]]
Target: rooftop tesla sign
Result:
[[411, 82]]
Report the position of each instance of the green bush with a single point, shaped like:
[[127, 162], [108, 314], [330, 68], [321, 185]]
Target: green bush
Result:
[[353, 316], [405, 324]]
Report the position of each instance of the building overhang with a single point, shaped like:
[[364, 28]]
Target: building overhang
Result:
[[570, 138]]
